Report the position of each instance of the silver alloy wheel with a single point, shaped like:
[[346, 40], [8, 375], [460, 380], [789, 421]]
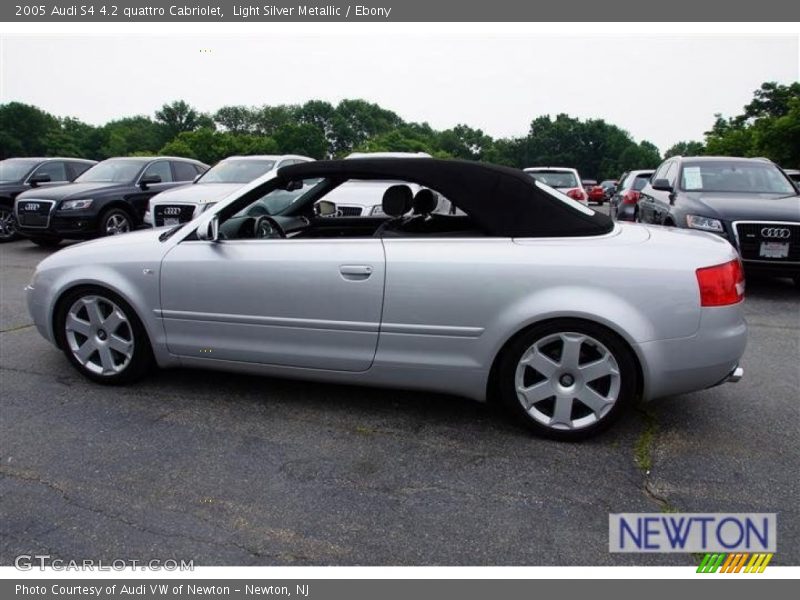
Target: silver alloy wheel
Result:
[[99, 335], [567, 380], [117, 223], [8, 225]]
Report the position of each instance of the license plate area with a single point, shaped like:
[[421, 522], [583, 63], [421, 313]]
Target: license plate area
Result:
[[172, 221], [774, 250]]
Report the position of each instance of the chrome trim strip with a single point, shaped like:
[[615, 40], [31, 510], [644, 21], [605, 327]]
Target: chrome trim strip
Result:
[[182, 315], [440, 330], [52, 204]]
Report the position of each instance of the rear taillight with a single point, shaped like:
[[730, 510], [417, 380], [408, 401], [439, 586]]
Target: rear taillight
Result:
[[630, 197], [576, 194], [722, 284]]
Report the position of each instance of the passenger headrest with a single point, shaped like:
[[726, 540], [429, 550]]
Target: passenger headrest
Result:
[[425, 202], [397, 200]]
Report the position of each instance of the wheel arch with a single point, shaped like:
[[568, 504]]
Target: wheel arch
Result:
[[613, 329], [121, 204]]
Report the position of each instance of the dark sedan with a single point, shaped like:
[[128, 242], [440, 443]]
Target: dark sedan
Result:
[[749, 201], [108, 199], [18, 175]]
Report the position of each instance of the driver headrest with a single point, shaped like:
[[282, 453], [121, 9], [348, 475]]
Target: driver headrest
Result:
[[397, 200], [425, 202]]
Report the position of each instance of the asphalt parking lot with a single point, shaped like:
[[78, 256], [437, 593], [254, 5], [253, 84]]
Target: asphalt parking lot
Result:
[[231, 469]]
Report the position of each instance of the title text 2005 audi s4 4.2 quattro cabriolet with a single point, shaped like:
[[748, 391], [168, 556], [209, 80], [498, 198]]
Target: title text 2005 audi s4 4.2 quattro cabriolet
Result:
[[523, 294]]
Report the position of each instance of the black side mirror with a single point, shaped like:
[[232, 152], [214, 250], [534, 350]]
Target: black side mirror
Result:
[[38, 178], [662, 185], [293, 185], [149, 180]]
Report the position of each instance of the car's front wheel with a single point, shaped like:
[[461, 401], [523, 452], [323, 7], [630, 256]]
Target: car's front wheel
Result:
[[115, 221], [8, 225], [102, 336], [567, 379]]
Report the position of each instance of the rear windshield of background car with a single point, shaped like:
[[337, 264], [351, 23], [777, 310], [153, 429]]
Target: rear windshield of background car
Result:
[[744, 177], [236, 171], [556, 179]]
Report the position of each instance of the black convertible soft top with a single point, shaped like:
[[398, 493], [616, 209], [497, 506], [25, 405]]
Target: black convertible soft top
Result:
[[503, 201]]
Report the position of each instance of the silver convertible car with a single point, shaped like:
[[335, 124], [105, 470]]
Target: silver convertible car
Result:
[[524, 295]]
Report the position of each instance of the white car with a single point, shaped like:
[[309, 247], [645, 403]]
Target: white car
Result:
[[228, 175], [363, 198], [564, 179]]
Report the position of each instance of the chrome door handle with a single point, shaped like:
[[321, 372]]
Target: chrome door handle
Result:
[[355, 272]]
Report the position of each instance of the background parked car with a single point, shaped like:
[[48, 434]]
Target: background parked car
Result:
[[594, 193], [185, 203], [563, 179], [21, 174], [624, 201], [609, 188], [748, 201], [108, 199]]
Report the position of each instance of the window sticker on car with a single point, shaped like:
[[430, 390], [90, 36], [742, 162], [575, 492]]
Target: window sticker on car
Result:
[[692, 179]]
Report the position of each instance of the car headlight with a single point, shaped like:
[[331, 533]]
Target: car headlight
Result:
[[377, 211], [704, 223], [76, 204]]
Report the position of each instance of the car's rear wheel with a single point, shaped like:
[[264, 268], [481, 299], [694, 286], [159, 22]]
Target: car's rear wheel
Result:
[[567, 379], [8, 225], [115, 221], [102, 336], [46, 242]]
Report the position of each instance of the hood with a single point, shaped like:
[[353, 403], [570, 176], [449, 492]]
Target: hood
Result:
[[747, 207], [138, 246], [198, 193], [71, 191]]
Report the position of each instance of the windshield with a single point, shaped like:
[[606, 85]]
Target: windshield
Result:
[[15, 169], [236, 171], [556, 179], [751, 177], [113, 171]]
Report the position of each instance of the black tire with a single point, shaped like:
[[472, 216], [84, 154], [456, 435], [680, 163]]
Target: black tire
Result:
[[46, 242], [582, 425], [141, 358], [111, 222], [796, 280], [8, 225]]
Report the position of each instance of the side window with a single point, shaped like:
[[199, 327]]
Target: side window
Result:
[[160, 168], [184, 171], [55, 169], [76, 168]]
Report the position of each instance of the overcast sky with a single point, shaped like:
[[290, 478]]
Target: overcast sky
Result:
[[663, 89]]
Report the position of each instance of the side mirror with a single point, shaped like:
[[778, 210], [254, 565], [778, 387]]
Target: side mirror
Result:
[[149, 180], [38, 178], [325, 208], [293, 185], [662, 185], [209, 232]]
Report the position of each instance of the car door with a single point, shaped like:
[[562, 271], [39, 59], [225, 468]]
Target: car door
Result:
[[661, 200], [139, 197], [310, 303]]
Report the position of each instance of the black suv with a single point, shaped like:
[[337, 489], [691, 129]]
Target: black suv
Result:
[[749, 201], [108, 199], [20, 174]]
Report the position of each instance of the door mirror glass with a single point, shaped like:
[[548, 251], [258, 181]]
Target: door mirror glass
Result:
[[325, 208], [38, 178], [149, 180], [209, 231], [662, 185]]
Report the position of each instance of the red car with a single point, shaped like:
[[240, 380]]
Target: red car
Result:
[[595, 193]]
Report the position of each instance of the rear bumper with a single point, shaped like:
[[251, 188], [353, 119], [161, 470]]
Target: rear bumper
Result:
[[708, 358]]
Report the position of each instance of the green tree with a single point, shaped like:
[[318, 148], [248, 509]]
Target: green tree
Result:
[[236, 119], [691, 148], [301, 138], [24, 130], [178, 116]]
